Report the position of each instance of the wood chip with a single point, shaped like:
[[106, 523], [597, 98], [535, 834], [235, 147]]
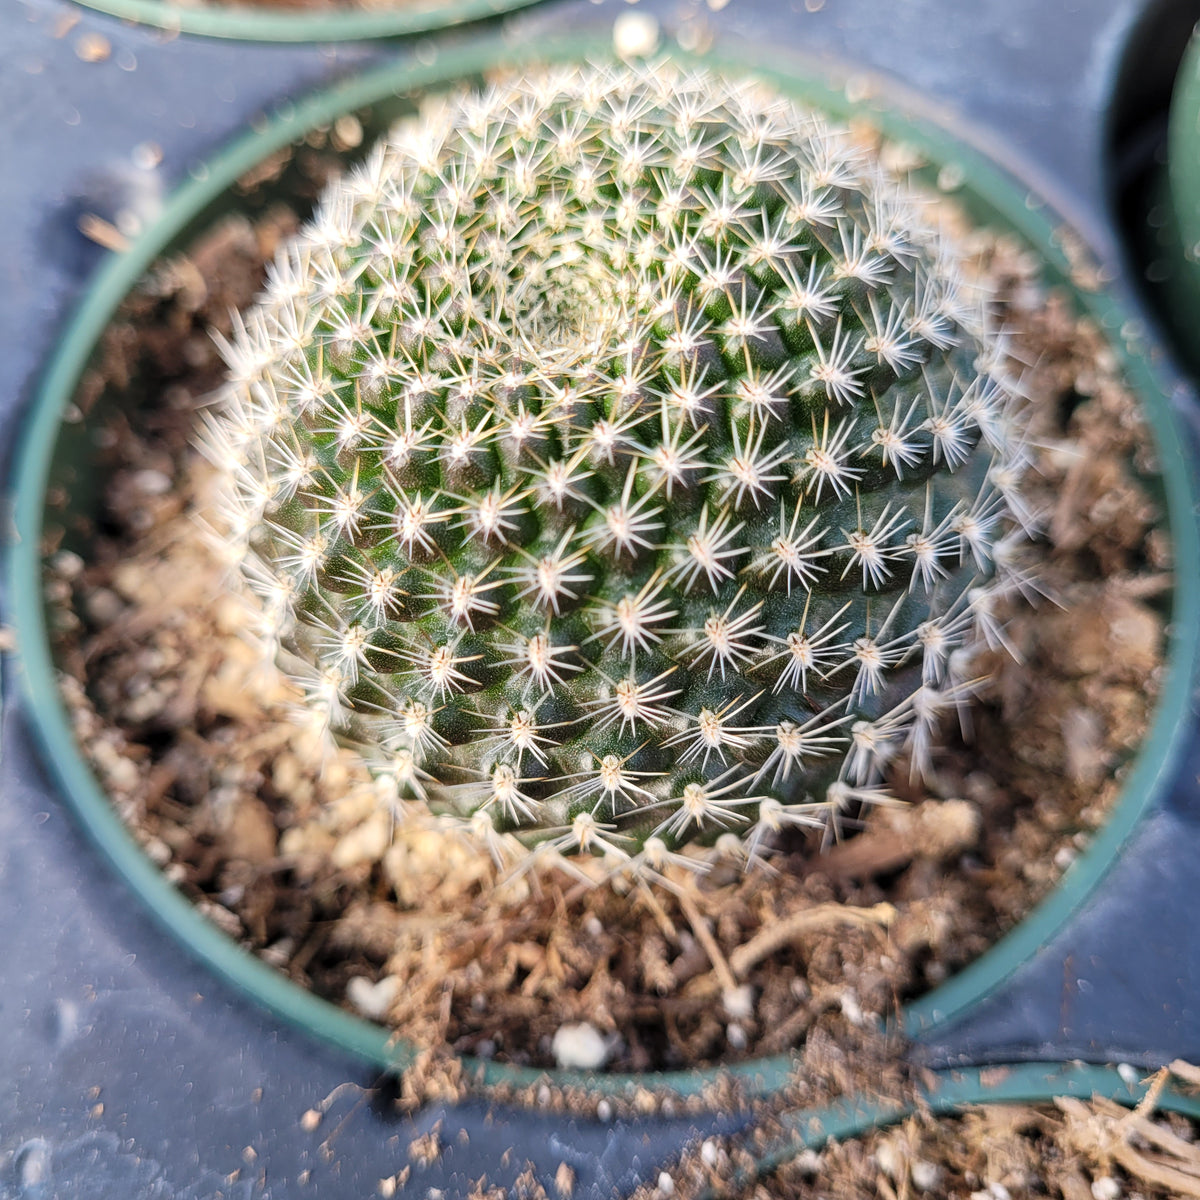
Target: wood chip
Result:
[[102, 232], [93, 48], [564, 1181]]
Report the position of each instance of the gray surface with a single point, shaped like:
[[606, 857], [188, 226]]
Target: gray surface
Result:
[[196, 1085]]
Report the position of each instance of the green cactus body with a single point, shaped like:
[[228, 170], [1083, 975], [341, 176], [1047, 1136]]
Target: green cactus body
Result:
[[618, 462]]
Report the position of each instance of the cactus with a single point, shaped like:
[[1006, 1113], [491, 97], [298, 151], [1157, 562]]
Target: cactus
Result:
[[618, 459]]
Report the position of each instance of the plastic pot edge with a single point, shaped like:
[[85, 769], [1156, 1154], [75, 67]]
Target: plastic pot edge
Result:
[[950, 1092], [244, 22], [1183, 150], [994, 194], [1176, 195]]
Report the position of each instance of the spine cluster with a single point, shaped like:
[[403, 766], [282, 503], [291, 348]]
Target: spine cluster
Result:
[[619, 460]]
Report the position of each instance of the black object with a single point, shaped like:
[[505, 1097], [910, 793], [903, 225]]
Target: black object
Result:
[[128, 1070]]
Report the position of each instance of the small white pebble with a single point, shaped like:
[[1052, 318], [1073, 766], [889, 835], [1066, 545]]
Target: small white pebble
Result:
[[735, 1035], [347, 132], [146, 156], [103, 606], [925, 1175], [124, 775], [129, 221], [279, 954], [950, 179], [708, 1152], [67, 564], [58, 591], [604, 1111], [593, 926], [935, 973], [372, 999], [666, 1185], [807, 1162], [579, 1046], [1128, 1073], [1106, 1188], [1064, 856], [635, 35], [160, 854], [887, 1159], [119, 773], [851, 1008], [997, 1191], [152, 483], [739, 1002]]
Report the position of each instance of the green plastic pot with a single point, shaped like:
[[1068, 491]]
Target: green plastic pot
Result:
[[949, 1093], [52, 451], [259, 23]]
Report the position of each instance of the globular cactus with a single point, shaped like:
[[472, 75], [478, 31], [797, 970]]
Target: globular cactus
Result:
[[619, 460]]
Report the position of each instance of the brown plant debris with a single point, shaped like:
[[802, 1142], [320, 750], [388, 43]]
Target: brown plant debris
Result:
[[1071, 1150]]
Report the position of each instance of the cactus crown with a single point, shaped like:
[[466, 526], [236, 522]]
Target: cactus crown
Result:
[[618, 460]]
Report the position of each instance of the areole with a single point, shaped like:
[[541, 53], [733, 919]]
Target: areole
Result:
[[992, 197]]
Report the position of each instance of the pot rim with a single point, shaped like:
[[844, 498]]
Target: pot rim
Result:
[[249, 22], [949, 1092], [991, 193], [1183, 152], [1173, 274]]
